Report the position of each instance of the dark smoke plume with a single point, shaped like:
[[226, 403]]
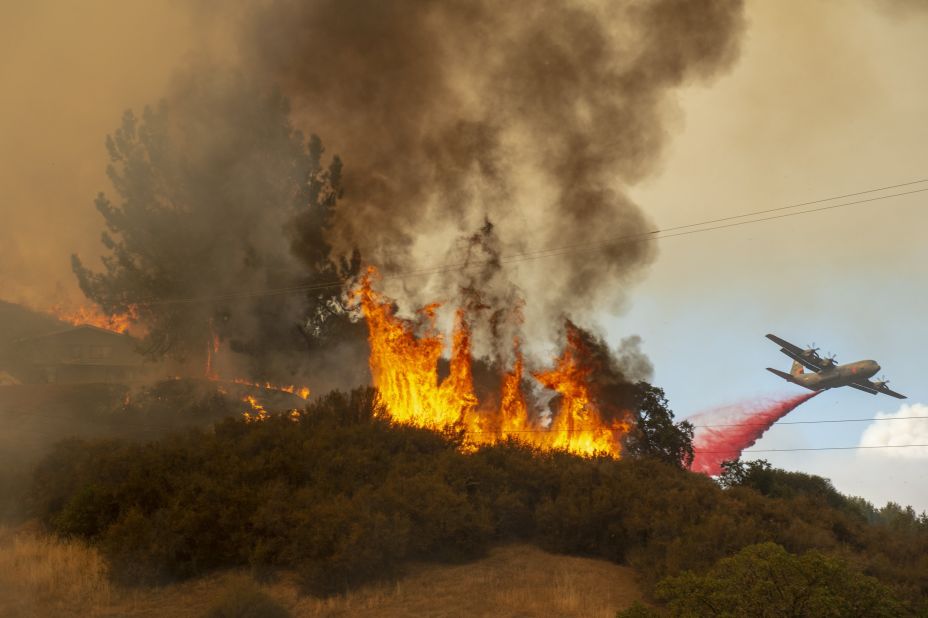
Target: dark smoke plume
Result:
[[536, 115], [216, 197], [611, 388], [902, 8]]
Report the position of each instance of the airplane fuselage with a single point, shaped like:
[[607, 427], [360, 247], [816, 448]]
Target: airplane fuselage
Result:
[[825, 373], [839, 375]]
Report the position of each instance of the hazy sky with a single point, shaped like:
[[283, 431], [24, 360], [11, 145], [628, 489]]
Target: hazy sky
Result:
[[828, 97], [68, 70]]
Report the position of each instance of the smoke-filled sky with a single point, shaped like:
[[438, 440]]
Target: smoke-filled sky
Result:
[[593, 123], [827, 98], [537, 116], [68, 71]]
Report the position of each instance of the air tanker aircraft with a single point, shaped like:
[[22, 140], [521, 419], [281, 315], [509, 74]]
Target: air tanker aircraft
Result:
[[827, 374]]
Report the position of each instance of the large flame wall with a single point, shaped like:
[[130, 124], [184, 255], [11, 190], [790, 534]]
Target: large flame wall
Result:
[[404, 368]]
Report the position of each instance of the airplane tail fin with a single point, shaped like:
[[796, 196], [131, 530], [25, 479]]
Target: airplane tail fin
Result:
[[797, 369], [782, 374]]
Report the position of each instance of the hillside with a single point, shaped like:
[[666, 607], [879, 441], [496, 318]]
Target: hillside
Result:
[[36, 416], [47, 577], [338, 500]]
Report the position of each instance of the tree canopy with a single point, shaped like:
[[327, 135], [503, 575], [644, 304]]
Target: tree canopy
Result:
[[341, 495], [219, 200], [655, 434], [766, 580]]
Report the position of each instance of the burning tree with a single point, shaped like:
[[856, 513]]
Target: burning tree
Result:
[[596, 410], [212, 184]]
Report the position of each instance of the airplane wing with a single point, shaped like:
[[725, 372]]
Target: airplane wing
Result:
[[869, 387], [864, 388], [796, 353], [892, 393]]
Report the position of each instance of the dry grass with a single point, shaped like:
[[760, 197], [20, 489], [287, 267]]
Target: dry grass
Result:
[[516, 580], [42, 577]]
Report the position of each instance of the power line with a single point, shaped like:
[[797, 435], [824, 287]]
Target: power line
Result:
[[815, 422], [113, 423], [819, 448], [658, 234], [809, 203], [148, 429], [588, 429], [662, 234]]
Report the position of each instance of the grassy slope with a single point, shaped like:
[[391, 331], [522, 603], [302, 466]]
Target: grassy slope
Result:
[[46, 577]]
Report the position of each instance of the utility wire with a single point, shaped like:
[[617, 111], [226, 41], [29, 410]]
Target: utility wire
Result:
[[22, 430], [662, 234], [819, 448], [809, 203], [581, 430], [840, 420], [658, 234], [114, 422]]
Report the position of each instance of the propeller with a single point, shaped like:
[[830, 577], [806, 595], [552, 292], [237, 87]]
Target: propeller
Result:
[[881, 382], [810, 350], [830, 359]]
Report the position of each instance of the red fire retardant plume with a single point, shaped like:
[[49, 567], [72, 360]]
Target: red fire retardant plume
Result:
[[735, 428]]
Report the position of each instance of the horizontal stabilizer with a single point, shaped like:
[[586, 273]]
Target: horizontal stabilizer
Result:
[[782, 374]]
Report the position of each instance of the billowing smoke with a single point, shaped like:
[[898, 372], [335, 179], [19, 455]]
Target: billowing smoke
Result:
[[722, 434], [903, 8], [216, 201], [536, 117], [472, 133]]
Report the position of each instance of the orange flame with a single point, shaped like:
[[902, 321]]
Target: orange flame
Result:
[[579, 425], [513, 408], [256, 412], [212, 348], [404, 368], [94, 316], [302, 392]]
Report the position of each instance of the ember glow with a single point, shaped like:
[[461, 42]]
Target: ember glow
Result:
[[92, 315], [404, 368], [212, 349], [579, 424], [256, 411], [302, 392]]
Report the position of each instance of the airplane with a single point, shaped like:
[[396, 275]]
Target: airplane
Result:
[[827, 373]]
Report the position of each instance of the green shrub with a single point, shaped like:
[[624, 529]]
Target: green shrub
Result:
[[766, 580], [638, 610], [343, 497]]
